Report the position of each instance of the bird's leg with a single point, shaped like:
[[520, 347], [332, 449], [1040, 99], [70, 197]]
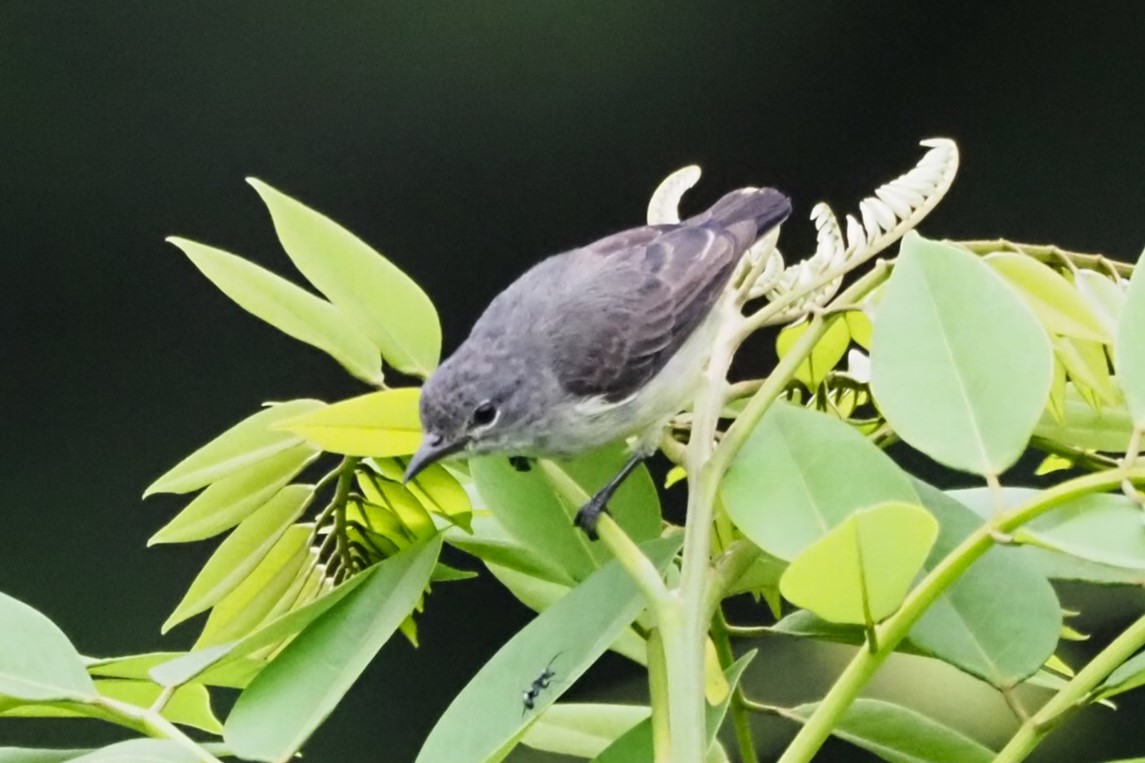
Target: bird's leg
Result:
[[588, 515]]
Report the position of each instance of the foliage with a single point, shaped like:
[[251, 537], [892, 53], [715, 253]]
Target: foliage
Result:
[[978, 352]]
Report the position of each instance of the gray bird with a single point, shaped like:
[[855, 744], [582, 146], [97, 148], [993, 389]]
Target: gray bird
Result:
[[594, 345]]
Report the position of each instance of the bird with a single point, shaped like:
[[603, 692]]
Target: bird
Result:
[[602, 343]]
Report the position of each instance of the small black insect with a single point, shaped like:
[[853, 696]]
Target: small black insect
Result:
[[521, 463], [540, 683]]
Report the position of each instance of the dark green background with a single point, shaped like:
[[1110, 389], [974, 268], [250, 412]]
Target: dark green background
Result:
[[465, 140]]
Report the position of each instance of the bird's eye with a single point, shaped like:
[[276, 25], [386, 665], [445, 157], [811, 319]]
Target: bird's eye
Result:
[[485, 414]]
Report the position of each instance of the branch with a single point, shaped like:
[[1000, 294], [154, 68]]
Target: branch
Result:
[[1073, 694], [865, 662]]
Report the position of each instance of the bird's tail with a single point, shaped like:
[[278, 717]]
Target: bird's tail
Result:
[[763, 208]]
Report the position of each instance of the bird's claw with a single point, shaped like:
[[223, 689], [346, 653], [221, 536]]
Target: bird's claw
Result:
[[589, 515]]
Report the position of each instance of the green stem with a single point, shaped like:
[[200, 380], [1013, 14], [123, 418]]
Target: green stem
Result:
[[740, 720], [658, 693], [1073, 694], [777, 381], [155, 725], [891, 633], [728, 568], [634, 562], [341, 494]]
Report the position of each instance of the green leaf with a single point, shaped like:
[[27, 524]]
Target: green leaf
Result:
[[382, 301], [140, 751], [1058, 305], [136, 666], [635, 505], [826, 354], [1129, 346], [189, 666], [485, 719], [26, 755], [490, 542], [235, 497], [1127, 676], [437, 489], [862, 569], [1103, 297], [901, 735], [801, 473], [959, 366], [37, 662], [1081, 426], [240, 611], [383, 423], [538, 594], [246, 443], [1087, 366], [1000, 633], [527, 507], [1099, 527], [241, 552], [291, 697], [290, 309], [582, 730], [188, 706]]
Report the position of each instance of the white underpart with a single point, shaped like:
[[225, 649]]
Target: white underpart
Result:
[[895, 208]]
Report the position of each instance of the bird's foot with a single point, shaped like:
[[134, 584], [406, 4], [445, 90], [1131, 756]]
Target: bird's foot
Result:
[[589, 514], [521, 463]]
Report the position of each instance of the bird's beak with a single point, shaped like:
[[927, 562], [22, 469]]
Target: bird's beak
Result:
[[433, 448]]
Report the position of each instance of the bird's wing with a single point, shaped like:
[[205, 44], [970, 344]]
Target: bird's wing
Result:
[[648, 290]]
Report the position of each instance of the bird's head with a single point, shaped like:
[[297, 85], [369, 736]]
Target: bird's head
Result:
[[471, 404]]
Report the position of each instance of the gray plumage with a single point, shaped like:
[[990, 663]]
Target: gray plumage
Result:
[[595, 344]]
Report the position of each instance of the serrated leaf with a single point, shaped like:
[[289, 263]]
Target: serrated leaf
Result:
[[583, 730], [289, 699], [289, 308], [1129, 346], [382, 300], [960, 367], [801, 473], [235, 497], [383, 423], [1058, 305], [241, 552], [824, 356], [861, 570], [241, 610], [37, 661], [901, 735], [243, 445], [485, 719]]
